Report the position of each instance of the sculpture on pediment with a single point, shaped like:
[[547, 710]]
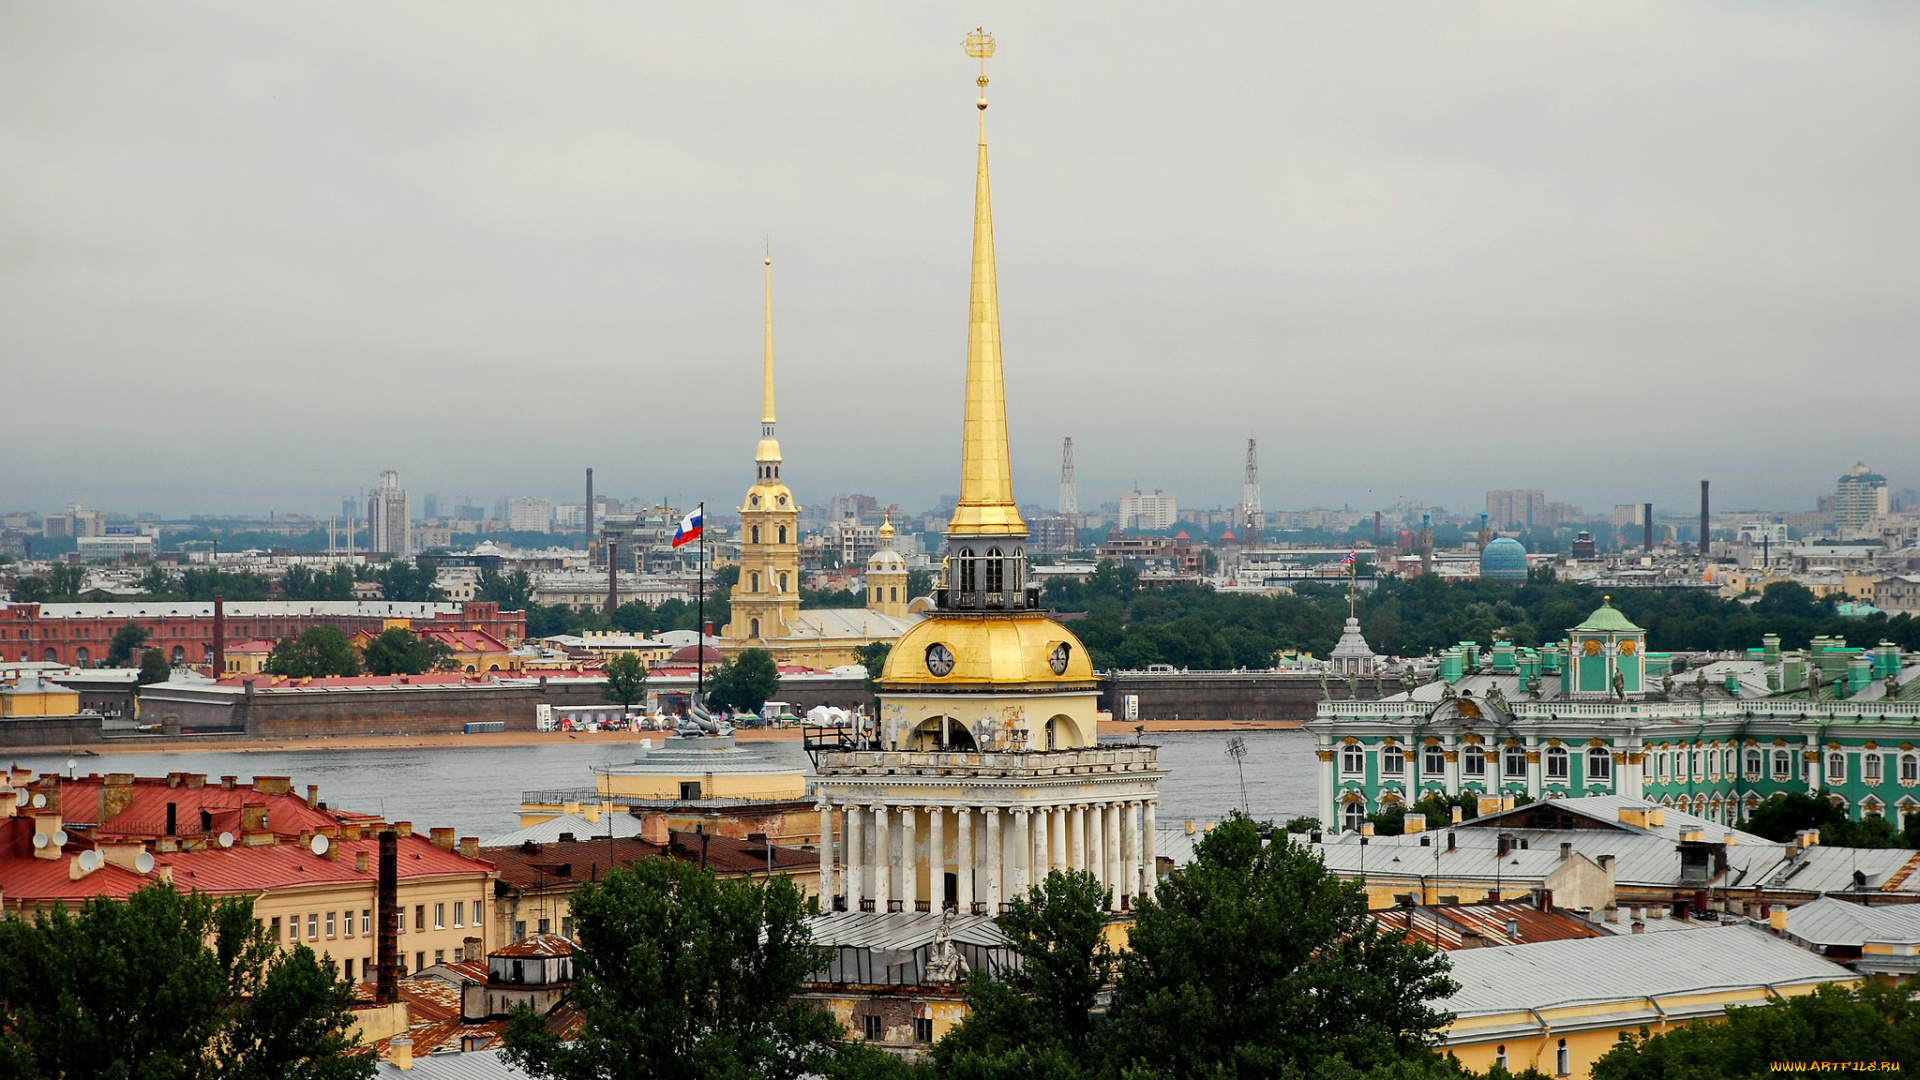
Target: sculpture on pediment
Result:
[[944, 963]]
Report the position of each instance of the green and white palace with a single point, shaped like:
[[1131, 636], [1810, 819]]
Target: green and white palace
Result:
[[1596, 714]]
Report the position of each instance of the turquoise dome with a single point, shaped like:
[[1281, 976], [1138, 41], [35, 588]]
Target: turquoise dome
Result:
[[1504, 560]]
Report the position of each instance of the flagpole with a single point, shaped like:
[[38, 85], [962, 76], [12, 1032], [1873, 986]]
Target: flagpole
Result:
[[700, 617]]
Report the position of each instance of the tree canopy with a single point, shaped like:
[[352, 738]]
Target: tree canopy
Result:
[[1871, 1022], [744, 683], [318, 650], [168, 986], [398, 651], [626, 679], [153, 668], [129, 637]]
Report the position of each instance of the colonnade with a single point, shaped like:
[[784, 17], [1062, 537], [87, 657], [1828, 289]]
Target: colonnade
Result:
[[901, 857]]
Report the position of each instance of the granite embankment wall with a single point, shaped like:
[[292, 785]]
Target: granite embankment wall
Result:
[[1226, 695]]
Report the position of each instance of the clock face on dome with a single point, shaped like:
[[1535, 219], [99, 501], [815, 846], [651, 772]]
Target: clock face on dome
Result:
[[1058, 661], [939, 659]]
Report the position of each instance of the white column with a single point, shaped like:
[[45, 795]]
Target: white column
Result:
[[1058, 819], [1150, 866], [963, 857], [1453, 768], [1129, 849], [936, 857], [909, 860], [993, 859], [826, 857], [1111, 818], [1533, 768], [1077, 843], [1097, 843], [1042, 837], [882, 860], [853, 860], [1628, 773], [1328, 819], [1022, 850]]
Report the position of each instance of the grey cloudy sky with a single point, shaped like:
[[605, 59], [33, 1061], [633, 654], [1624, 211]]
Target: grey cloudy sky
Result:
[[252, 254]]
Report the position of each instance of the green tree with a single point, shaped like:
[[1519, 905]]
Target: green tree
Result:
[[65, 581], [412, 582], [167, 985], [746, 682], [31, 590], [1872, 1022], [681, 976], [129, 637], [302, 583], [206, 583], [626, 679], [1255, 958], [319, 650], [158, 583], [1036, 1019], [512, 591], [873, 656], [153, 668], [397, 651]]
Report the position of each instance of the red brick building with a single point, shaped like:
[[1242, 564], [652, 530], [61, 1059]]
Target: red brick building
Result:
[[79, 634]]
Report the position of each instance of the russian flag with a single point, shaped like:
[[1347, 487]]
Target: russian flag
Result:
[[689, 529]]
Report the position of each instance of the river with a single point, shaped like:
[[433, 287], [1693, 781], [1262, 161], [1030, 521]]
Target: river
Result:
[[478, 790]]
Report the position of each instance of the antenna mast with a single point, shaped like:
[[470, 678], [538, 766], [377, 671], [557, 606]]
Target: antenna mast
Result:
[[1255, 519], [1069, 498]]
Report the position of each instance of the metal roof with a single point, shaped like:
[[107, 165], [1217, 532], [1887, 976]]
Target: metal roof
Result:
[[1645, 859], [548, 831], [900, 929], [1828, 921], [1628, 968], [1606, 809], [1513, 922], [1823, 869], [472, 1065]]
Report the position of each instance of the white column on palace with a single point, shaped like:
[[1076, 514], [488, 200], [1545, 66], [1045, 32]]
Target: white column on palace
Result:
[[826, 857], [1058, 819], [1077, 843], [1042, 834], [937, 857], [994, 858], [1453, 769], [1150, 866], [1115, 877], [1328, 819], [1129, 849], [909, 861], [963, 857], [853, 855], [1022, 849], [882, 860], [1097, 842]]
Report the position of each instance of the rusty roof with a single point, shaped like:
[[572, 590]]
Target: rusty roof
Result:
[[1511, 922], [537, 945], [566, 864]]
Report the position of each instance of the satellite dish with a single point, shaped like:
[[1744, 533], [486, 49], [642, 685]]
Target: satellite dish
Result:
[[226, 839], [39, 840], [143, 862], [39, 800], [90, 861], [319, 845], [59, 838]]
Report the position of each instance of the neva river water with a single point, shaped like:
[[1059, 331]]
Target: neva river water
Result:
[[478, 791]]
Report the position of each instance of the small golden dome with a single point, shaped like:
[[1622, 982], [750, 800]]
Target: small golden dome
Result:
[[995, 651]]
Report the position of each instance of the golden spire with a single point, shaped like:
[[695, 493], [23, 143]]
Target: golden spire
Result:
[[769, 450], [986, 473]]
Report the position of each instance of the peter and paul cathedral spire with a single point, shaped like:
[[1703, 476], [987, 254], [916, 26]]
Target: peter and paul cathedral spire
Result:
[[768, 455], [766, 598]]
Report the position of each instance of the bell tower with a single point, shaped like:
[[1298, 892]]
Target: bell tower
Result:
[[766, 598]]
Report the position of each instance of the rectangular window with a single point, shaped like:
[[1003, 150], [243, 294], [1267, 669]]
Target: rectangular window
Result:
[[419, 961], [366, 921], [1909, 769], [872, 1027], [349, 969], [459, 913], [439, 956], [1557, 762], [1599, 766], [1660, 767], [329, 924], [439, 916], [476, 913], [546, 926], [1353, 760], [1516, 761], [1436, 761], [274, 932], [346, 922], [420, 916], [313, 926], [1392, 761], [566, 926], [520, 930], [923, 1029], [1836, 768]]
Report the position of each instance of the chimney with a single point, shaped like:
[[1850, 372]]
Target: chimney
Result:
[[1777, 918], [1506, 845], [313, 795], [470, 846], [1415, 823], [1470, 939], [361, 862], [404, 828], [1706, 521], [1456, 817], [613, 576], [387, 983], [219, 635], [1613, 913], [401, 1052], [1566, 849], [116, 794], [1513, 928], [1639, 927], [1646, 511], [1366, 828], [442, 838], [1450, 836], [227, 782], [653, 829]]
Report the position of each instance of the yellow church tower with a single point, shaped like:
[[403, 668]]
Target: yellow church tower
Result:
[[766, 599], [887, 576]]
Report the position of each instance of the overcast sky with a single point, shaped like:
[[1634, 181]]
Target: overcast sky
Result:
[[252, 254]]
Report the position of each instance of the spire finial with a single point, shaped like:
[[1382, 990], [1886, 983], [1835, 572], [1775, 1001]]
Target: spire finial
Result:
[[986, 471]]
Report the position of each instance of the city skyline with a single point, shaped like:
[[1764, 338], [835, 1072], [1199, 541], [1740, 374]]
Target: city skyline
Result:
[[1424, 260]]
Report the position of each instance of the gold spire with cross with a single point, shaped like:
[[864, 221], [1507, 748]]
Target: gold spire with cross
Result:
[[769, 451], [986, 504]]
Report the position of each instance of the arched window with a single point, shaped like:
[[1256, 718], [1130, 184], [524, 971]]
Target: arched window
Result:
[[1557, 763], [753, 581], [1755, 764], [1393, 761], [1436, 762], [1909, 765], [1516, 760], [1353, 759], [51, 657], [1599, 766], [80, 657], [1660, 767], [893, 593], [1783, 765], [756, 534], [1353, 815], [783, 534], [1473, 761], [179, 655], [996, 571], [1870, 767], [1836, 768], [783, 581], [753, 630]]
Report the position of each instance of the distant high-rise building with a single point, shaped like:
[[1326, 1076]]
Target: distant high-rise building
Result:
[[1069, 496], [350, 509], [1860, 495], [1254, 519], [529, 515], [1151, 513], [390, 516], [1518, 509], [429, 506]]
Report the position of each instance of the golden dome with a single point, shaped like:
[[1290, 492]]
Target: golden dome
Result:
[[884, 561], [993, 651], [773, 495]]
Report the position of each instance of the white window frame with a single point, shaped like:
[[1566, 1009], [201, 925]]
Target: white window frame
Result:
[[1836, 767], [1473, 762], [1393, 760], [1508, 757], [1909, 769], [1353, 760], [1558, 765], [1436, 763], [1872, 769], [1756, 763], [1782, 764], [1599, 765]]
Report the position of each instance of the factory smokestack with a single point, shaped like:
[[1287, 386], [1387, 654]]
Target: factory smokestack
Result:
[[386, 987], [1706, 522], [613, 577], [1646, 514], [219, 636], [589, 516]]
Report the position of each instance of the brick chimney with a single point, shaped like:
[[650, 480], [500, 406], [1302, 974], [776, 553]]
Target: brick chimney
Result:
[[219, 635], [442, 838], [653, 829], [470, 846]]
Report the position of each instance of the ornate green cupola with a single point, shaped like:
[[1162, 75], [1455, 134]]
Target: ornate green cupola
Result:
[[1608, 656]]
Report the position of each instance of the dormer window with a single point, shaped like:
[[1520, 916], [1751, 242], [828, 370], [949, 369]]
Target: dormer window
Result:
[[754, 501], [967, 582], [996, 571]]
